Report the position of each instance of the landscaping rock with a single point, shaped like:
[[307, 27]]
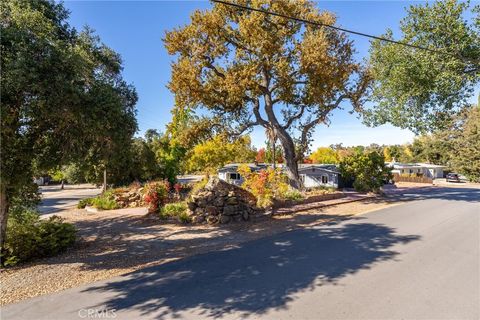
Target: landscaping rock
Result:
[[232, 200], [225, 219], [212, 219], [198, 219], [128, 198], [218, 202], [221, 202], [211, 210]]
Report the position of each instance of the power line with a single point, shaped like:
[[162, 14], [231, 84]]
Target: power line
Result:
[[319, 24]]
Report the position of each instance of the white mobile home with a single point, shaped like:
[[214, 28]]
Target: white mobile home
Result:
[[421, 169], [229, 172], [319, 175]]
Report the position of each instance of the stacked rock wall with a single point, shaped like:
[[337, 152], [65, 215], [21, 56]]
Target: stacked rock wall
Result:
[[221, 202], [129, 198]]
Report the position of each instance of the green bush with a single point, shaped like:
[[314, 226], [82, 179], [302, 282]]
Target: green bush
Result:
[[85, 202], [321, 190], [294, 195], [175, 210], [105, 201], [73, 173], [29, 237], [368, 170], [184, 217], [28, 197]]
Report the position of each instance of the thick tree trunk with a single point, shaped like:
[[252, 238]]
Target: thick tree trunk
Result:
[[4, 204], [288, 145], [291, 164]]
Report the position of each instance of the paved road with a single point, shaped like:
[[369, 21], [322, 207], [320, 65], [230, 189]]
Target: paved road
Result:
[[54, 199], [418, 260]]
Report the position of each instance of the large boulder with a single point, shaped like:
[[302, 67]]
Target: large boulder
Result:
[[221, 202]]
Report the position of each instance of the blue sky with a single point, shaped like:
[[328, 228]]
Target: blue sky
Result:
[[135, 30]]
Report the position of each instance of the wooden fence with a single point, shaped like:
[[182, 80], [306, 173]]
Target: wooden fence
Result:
[[420, 179]]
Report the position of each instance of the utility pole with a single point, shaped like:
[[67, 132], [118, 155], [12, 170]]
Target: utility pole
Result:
[[273, 151]]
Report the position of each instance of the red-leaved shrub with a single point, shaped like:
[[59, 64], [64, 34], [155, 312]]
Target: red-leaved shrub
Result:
[[155, 194]]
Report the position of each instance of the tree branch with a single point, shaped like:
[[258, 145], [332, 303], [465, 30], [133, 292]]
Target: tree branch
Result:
[[297, 116], [209, 64], [320, 118], [258, 116]]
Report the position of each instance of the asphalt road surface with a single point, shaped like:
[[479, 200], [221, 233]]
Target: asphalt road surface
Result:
[[418, 260], [54, 199]]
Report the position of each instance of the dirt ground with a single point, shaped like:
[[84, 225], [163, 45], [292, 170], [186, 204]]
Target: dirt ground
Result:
[[116, 242]]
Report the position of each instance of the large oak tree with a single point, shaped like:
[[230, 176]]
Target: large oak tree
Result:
[[254, 69], [63, 98]]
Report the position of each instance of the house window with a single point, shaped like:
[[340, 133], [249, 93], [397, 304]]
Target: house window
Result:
[[234, 176], [403, 171], [411, 171], [419, 170], [324, 179]]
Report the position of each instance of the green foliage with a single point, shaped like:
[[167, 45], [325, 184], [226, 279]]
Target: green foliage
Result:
[[85, 202], [293, 194], [324, 155], [174, 148], [399, 153], [184, 217], [457, 146], [27, 197], [368, 170], [199, 185], [57, 175], [269, 154], [63, 98], [104, 201], [321, 190], [30, 237], [144, 164], [466, 145], [419, 90], [433, 148], [175, 210], [210, 155], [72, 173], [169, 154]]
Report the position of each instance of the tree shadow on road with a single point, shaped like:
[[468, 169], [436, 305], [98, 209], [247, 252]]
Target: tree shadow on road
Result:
[[256, 276]]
